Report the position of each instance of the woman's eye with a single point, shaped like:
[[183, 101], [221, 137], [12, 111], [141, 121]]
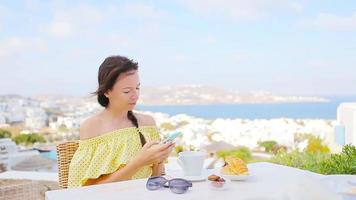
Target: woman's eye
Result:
[[138, 88], [126, 92]]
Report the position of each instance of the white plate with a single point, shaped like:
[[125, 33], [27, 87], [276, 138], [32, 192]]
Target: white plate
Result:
[[180, 174], [236, 177]]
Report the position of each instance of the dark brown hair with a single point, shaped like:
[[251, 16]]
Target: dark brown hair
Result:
[[108, 73]]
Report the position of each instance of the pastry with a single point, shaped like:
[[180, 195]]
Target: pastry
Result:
[[216, 181], [234, 166]]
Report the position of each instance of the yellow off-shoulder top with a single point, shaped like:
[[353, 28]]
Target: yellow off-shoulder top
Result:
[[108, 153]]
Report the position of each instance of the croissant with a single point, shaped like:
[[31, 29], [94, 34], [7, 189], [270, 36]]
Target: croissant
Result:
[[235, 166]]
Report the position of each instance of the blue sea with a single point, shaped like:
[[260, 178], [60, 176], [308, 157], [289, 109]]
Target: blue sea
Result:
[[51, 155], [257, 111]]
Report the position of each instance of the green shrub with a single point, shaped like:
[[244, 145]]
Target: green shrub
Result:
[[268, 145], [5, 133], [178, 149], [279, 149], [315, 146], [343, 163], [167, 126], [28, 139], [301, 160], [241, 152], [323, 163]]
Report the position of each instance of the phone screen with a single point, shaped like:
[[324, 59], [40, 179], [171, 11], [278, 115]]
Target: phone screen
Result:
[[171, 137]]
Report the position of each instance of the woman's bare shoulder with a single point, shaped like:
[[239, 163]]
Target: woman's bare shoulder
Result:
[[145, 120], [90, 127]]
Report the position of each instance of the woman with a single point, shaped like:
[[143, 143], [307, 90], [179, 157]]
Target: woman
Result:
[[117, 144]]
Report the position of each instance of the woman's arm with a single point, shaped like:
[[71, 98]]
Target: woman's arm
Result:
[[150, 153], [122, 174], [157, 169]]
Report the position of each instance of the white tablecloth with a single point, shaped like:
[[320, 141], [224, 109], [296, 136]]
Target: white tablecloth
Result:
[[267, 182]]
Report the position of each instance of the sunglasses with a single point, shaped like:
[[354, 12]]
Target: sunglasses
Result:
[[176, 185]]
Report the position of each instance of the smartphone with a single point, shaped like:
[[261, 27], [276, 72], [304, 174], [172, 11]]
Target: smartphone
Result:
[[171, 137]]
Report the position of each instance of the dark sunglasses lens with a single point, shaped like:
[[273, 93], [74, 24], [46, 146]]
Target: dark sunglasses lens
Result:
[[155, 183]]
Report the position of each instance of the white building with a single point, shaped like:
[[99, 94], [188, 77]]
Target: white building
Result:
[[35, 117], [346, 117], [35, 122], [2, 119], [68, 121], [3, 106], [14, 113]]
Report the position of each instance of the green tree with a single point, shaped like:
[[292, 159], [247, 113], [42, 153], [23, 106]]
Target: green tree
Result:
[[29, 139], [5, 133]]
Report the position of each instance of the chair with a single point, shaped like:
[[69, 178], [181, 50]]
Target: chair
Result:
[[65, 152], [16, 189]]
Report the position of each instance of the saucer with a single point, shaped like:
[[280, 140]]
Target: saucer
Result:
[[180, 174], [236, 177]]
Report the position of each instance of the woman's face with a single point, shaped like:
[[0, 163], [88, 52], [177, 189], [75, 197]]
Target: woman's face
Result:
[[126, 91]]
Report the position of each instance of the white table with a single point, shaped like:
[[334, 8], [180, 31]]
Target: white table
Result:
[[267, 182]]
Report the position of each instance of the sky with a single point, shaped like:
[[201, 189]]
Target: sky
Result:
[[286, 47]]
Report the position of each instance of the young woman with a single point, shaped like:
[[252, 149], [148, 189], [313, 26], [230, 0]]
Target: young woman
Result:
[[117, 144]]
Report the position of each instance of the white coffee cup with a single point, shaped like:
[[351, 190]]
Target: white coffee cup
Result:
[[192, 162]]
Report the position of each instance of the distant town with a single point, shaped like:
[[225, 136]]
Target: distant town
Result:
[[45, 115], [59, 111], [58, 118]]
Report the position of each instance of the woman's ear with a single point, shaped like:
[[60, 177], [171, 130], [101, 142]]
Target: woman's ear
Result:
[[107, 94]]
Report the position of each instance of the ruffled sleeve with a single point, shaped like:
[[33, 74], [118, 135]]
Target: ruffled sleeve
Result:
[[108, 153]]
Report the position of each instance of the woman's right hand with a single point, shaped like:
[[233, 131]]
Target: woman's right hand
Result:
[[153, 152]]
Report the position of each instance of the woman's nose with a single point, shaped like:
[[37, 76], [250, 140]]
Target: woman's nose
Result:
[[135, 95]]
